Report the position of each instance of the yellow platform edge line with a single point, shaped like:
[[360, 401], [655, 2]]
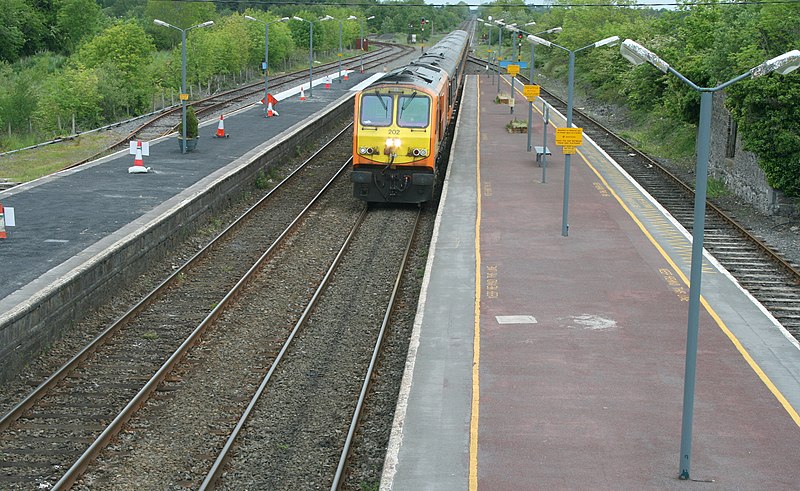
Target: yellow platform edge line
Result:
[[476, 340], [720, 323]]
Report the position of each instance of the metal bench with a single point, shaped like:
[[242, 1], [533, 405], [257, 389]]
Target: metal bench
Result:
[[540, 151]]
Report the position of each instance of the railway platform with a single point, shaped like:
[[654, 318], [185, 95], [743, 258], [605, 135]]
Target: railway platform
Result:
[[542, 361], [76, 229]]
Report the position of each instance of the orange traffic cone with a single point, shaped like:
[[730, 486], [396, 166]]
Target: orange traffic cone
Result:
[[138, 164], [327, 82], [221, 128], [271, 112], [2, 223], [302, 94]]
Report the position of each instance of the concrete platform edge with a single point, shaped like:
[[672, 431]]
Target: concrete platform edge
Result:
[[33, 316]]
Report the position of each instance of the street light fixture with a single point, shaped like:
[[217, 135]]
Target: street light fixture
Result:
[[361, 24], [532, 77], [184, 96], [266, 52], [500, 25], [570, 83], [490, 53], [328, 17], [638, 54], [310, 55]]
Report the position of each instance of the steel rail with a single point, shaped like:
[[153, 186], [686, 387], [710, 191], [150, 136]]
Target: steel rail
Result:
[[143, 395], [254, 88], [216, 469], [368, 376], [41, 390]]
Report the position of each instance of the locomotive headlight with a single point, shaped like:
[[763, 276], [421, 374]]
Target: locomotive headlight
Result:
[[362, 150], [393, 142], [423, 152]]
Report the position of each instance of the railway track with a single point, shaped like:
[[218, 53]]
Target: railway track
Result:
[[154, 398], [52, 435], [167, 121], [308, 405], [760, 269]]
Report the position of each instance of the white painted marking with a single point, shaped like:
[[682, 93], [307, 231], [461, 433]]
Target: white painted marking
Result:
[[593, 322], [515, 319], [368, 81], [57, 241], [296, 90]]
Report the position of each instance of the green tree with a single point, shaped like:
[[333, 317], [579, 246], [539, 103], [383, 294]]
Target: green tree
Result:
[[280, 39], [768, 112], [124, 50], [71, 92], [22, 30], [179, 14], [77, 20]]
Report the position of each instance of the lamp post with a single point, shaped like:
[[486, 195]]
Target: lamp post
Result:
[[532, 74], [266, 52], [489, 51], [361, 23], [328, 17], [638, 54], [184, 96], [500, 25], [570, 83], [310, 55], [512, 28]]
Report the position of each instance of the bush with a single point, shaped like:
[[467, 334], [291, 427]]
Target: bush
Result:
[[191, 124]]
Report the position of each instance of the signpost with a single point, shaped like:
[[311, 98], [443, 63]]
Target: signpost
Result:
[[569, 137], [531, 92], [513, 70]]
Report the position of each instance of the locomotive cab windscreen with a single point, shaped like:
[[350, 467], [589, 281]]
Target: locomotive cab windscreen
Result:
[[413, 111], [376, 109]]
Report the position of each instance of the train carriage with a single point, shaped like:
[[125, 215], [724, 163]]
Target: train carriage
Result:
[[400, 122]]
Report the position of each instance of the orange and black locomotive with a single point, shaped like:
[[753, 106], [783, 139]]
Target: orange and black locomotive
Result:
[[400, 122]]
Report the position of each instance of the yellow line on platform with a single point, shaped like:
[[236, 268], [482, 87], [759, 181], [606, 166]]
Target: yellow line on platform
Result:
[[720, 323], [685, 249], [476, 340]]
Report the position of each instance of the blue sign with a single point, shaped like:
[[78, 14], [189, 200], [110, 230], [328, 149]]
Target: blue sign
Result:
[[522, 64]]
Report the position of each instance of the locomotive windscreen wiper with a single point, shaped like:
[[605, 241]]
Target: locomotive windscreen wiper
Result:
[[413, 95], [380, 98]]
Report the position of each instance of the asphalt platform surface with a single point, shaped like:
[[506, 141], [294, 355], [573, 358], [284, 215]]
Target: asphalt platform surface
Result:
[[543, 361]]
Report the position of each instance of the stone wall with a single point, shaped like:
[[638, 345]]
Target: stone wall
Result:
[[738, 169]]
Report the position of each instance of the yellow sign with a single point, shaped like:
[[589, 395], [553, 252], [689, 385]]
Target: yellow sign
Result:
[[531, 92], [513, 70], [569, 137], [568, 150], [183, 97], [339, 54]]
